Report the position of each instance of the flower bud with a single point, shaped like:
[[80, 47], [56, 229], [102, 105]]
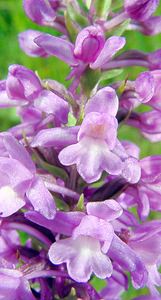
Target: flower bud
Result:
[[22, 83], [89, 43], [40, 11]]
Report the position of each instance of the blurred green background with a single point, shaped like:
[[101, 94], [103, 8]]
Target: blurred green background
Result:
[[12, 22]]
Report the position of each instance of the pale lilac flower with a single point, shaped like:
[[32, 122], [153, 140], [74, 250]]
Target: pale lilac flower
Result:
[[107, 99], [22, 83], [14, 286], [142, 90], [119, 252], [9, 243], [37, 106], [147, 86], [146, 193], [56, 137], [146, 242], [94, 151], [97, 148], [149, 124], [21, 186], [85, 252], [75, 55], [116, 284], [40, 11]]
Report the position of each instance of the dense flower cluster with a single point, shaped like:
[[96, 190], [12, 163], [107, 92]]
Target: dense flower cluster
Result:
[[81, 194]]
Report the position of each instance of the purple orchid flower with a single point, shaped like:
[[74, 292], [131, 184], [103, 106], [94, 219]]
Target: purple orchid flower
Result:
[[22, 83], [89, 243], [147, 86], [149, 124], [109, 154], [14, 286], [94, 151], [41, 11], [9, 242], [146, 193], [140, 91], [116, 284], [21, 186], [76, 55], [37, 105], [146, 242], [89, 44]]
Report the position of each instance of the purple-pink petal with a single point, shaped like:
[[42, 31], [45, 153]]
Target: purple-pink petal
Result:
[[58, 47], [145, 86], [27, 44], [107, 210], [126, 258], [22, 83], [56, 137], [111, 47], [104, 101], [41, 199], [50, 103], [89, 43], [39, 11]]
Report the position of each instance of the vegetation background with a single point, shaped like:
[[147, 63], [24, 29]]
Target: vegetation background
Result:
[[12, 21]]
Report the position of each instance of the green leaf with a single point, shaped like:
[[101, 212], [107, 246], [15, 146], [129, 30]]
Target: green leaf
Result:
[[56, 171], [23, 237], [80, 204], [70, 26], [88, 3], [102, 8], [98, 283], [61, 204], [76, 17], [84, 6], [111, 74], [107, 75], [116, 4], [71, 120], [119, 30], [89, 80]]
